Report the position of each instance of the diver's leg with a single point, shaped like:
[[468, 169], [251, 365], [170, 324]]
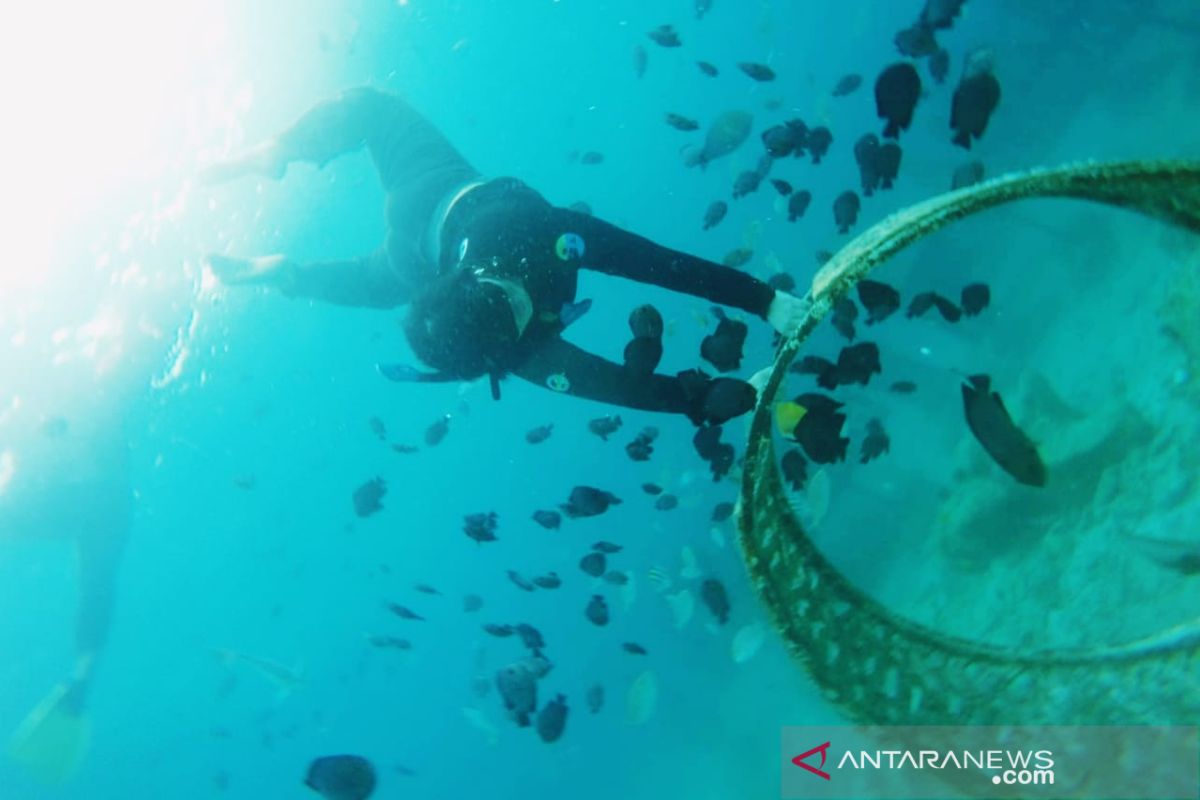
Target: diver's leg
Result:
[[563, 367], [398, 137], [99, 552]]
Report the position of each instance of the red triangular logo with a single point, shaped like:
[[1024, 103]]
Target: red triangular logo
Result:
[[799, 760]]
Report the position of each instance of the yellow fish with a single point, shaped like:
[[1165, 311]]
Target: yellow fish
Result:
[[788, 415]]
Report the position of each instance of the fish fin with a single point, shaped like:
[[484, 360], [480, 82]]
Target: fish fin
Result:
[[53, 738], [981, 383], [571, 312]]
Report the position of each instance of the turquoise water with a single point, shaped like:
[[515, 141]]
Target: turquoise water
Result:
[[242, 418]]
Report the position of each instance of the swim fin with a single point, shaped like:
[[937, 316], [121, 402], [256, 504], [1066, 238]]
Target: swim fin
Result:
[[53, 738]]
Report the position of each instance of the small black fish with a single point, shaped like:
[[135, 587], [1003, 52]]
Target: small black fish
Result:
[[605, 426], [903, 387], [847, 84], [888, 164], [798, 204], [634, 648], [920, 304], [940, 14], [646, 322], [845, 210], [916, 41], [641, 448], [787, 138], [580, 207], [531, 637], [377, 428], [587, 501], [707, 441], [975, 298], [552, 719], [481, 527], [682, 123], [822, 257], [539, 434], [857, 363], [652, 488], [818, 141], [722, 511], [896, 93], [666, 502], [597, 611], [519, 581], [404, 613], [866, 155], [594, 564], [819, 430], [606, 547], [716, 599], [702, 7], [437, 431], [499, 631], [425, 588], [342, 777], [723, 347], [550, 520], [707, 68], [818, 403], [548, 581], [665, 36], [759, 72], [875, 443], [715, 213], [592, 157], [783, 187], [616, 577], [879, 299], [645, 350], [966, 175], [844, 315], [782, 282], [939, 65], [390, 643], [639, 60], [794, 469], [595, 698], [738, 258], [404, 448], [1007, 444], [974, 101], [471, 603], [812, 365], [746, 182], [949, 311], [368, 498]]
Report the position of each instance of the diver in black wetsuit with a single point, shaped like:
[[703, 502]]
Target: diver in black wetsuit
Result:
[[490, 267]]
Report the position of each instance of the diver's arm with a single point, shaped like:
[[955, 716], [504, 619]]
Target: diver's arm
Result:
[[367, 282], [615, 251], [561, 366]]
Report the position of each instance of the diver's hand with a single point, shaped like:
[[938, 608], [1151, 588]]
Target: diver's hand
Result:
[[275, 270], [265, 160], [787, 312]]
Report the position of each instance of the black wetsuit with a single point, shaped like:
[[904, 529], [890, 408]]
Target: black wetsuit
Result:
[[520, 236], [503, 220]]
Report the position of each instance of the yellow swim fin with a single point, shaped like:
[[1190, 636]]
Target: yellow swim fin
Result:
[[53, 738]]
